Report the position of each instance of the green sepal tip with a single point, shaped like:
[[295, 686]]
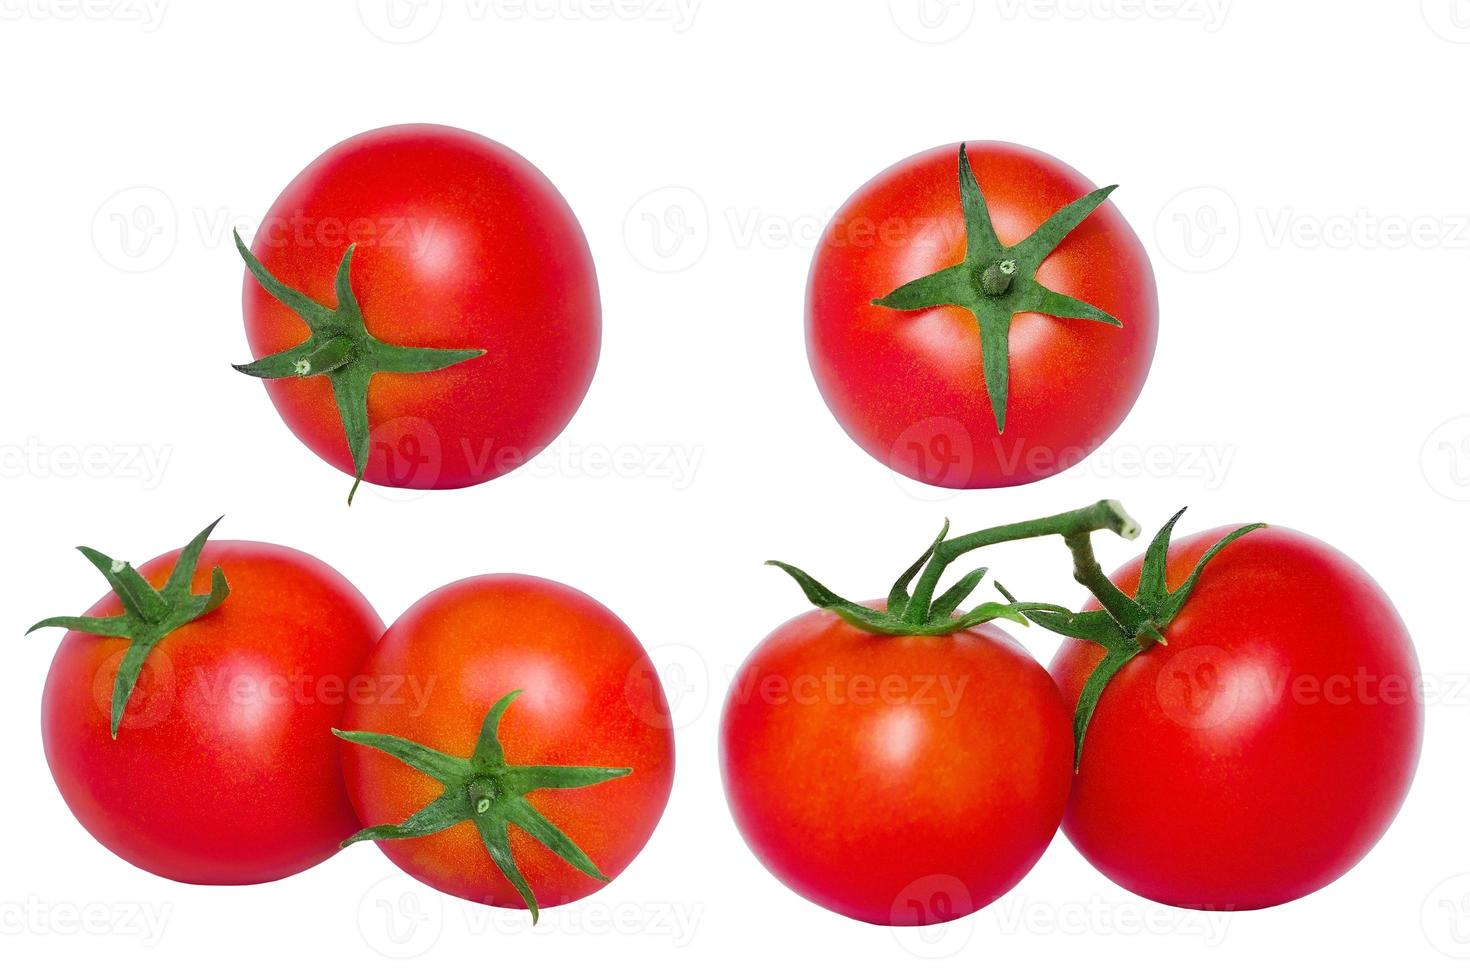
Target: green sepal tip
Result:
[[148, 614]]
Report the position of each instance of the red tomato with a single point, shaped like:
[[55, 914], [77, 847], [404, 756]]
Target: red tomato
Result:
[[1266, 749], [909, 385], [460, 243], [224, 771], [896, 780], [590, 697]]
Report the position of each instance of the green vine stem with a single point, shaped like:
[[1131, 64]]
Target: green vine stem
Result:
[[489, 792], [148, 614], [921, 614], [1126, 625]]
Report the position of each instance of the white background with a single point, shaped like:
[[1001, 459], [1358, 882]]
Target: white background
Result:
[[1296, 170]]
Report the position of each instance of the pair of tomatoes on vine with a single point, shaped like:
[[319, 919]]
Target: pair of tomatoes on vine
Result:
[[1232, 722], [424, 306], [234, 712]]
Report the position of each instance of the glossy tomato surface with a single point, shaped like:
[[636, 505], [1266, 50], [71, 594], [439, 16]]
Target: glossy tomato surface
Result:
[[224, 770], [461, 243], [899, 781], [909, 387], [590, 697], [1267, 748]]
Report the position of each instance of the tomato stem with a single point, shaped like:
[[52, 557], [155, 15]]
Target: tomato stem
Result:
[[1105, 515], [997, 277], [924, 615], [1125, 626]]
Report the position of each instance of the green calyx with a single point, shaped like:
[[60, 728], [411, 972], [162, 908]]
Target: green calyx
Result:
[[995, 282], [489, 792], [341, 348], [1126, 625], [921, 613], [148, 614]]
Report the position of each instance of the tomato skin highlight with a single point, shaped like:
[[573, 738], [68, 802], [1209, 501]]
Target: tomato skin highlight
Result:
[[590, 697], [909, 387], [912, 807], [1267, 748], [461, 243], [225, 771]]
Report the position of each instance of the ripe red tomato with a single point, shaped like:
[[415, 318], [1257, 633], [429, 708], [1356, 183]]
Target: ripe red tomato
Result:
[[913, 385], [1263, 751], [460, 243], [224, 770], [589, 697], [896, 780]]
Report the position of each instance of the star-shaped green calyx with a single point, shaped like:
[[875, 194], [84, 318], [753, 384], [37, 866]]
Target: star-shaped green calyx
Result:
[[489, 792], [148, 614], [341, 348], [1126, 625], [995, 282]]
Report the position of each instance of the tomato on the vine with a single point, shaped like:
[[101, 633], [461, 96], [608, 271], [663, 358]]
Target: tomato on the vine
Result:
[[191, 734], [424, 305], [981, 326], [1266, 748], [900, 763]]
